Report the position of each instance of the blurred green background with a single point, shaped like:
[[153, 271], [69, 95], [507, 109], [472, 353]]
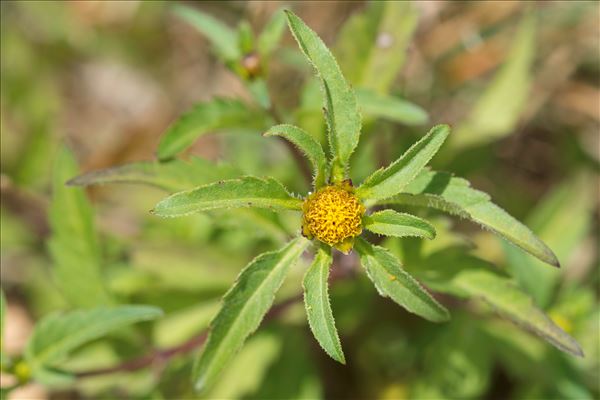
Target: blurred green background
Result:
[[519, 82]]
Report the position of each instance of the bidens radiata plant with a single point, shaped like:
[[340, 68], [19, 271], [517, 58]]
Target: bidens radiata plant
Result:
[[335, 214]]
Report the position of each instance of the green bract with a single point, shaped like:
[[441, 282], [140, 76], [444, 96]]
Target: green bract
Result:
[[404, 182]]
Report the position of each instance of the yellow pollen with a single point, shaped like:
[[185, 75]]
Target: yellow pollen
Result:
[[332, 214]]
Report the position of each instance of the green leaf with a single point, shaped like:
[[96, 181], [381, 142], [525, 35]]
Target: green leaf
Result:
[[74, 244], [371, 46], [318, 307], [259, 91], [249, 369], [497, 112], [509, 300], [387, 182], [308, 145], [204, 118], [177, 175], [392, 281], [562, 220], [57, 335], [393, 223], [223, 38], [246, 39], [451, 271], [341, 110], [244, 192], [244, 306], [271, 33], [390, 107], [442, 191], [172, 176], [2, 316]]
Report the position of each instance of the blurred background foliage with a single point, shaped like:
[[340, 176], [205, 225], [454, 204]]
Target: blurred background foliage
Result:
[[518, 81]]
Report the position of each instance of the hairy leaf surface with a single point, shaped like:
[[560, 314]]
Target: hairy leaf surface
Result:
[[318, 307], [341, 110], [244, 306], [308, 145], [391, 180], [455, 195], [244, 192], [392, 281], [393, 223]]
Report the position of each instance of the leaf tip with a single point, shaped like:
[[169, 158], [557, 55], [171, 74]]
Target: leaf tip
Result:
[[76, 181], [578, 352], [553, 260]]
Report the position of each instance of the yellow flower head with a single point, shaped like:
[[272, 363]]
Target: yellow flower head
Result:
[[333, 215]]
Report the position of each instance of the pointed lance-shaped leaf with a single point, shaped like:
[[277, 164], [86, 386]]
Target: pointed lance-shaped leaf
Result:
[[177, 175], [392, 281], [308, 145], [248, 191], [442, 191], [341, 110], [172, 176], [393, 223], [454, 272], [318, 307], [390, 181], [244, 307]]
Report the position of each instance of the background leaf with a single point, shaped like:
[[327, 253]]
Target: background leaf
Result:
[[216, 114], [2, 315], [393, 223], [452, 271], [244, 192], [271, 33], [563, 220], [244, 306], [387, 182], [371, 47], [318, 307], [390, 107], [392, 281], [74, 243], [342, 114], [308, 145], [497, 112], [55, 336], [223, 38], [454, 195], [172, 176]]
